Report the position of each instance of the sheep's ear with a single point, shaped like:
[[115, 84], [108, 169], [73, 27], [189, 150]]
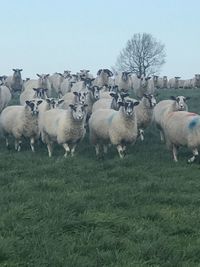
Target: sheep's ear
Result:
[[172, 97], [14, 70], [20, 69], [124, 94], [85, 105], [35, 89], [47, 75], [27, 103], [72, 106], [113, 94], [99, 71], [145, 95], [60, 101], [48, 100], [39, 102], [75, 93], [136, 103], [38, 75]]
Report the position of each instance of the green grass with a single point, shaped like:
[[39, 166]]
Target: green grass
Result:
[[140, 211]]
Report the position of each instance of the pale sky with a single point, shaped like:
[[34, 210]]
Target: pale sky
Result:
[[47, 36]]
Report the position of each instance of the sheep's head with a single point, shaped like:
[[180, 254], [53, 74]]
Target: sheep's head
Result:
[[151, 100], [78, 111], [95, 90], [54, 103], [81, 96], [40, 92], [32, 105], [129, 105], [180, 102]]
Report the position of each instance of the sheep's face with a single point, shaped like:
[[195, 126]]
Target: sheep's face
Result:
[[95, 92], [180, 102], [129, 106], [81, 97], [151, 100], [54, 103], [144, 81], [17, 73], [43, 78], [32, 105], [40, 92], [78, 111]]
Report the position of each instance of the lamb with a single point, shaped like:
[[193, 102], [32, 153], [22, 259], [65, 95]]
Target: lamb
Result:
[[41, 82], [144, 113], [166, 106], [5, 96], [106, 103], [102, 78], [34, 93], [116, 127], [21, 121], [183, 129], [123, 81], [15, 82], [65, 127]]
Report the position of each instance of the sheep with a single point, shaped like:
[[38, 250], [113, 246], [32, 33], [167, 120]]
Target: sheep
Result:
[[182, 129], [41, 82], [196, 81], [174, 82], [142, 85], [21, 121], [162, 82], [144, 113], [81, 85], [102, 78], [114, 102], [67, 84], [85, 74], [65, 127], [166, 106], [119, 128], [56, 80], [5, 96], [123, 81], [187, 84], [3, 79], [73, 98], [15, 82], [34, 93]]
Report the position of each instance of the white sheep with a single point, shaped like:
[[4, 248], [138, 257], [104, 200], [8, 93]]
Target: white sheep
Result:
[[31, 94], [174, 82], [15, 82], [144, 113], [182, 129], [56, 80], [21, 121], [123, 81], [113, 102], [142, 85], [103, 77], [5, 96], [65, 127], [41, 82], [166, 106], [107, 126]]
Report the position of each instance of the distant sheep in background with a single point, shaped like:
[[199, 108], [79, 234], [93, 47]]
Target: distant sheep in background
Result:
[[15, 82]]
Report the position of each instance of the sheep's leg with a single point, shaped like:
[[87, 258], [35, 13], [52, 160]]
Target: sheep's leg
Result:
[[7, 142], [120, 151], [162, 138], [66, 148], [73, 150], [18, 145], [174, 150], [97, 149], [50, 149], [195, 155], [105, 149], [32, 142], [141, 134]]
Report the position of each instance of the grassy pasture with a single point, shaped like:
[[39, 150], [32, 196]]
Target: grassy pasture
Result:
[[83, 212]]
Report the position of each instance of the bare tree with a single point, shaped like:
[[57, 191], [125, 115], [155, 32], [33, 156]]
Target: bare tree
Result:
[[143, 55]]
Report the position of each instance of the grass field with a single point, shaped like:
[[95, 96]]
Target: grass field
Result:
[[140, 211]]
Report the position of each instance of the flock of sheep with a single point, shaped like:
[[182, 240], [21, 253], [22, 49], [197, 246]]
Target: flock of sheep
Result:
[[98, 104]]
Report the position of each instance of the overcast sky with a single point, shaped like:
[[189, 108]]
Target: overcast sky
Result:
[[45, 36]]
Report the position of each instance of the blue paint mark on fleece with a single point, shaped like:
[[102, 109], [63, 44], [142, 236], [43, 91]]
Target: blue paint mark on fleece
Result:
[[193, 123], [111, 118]]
